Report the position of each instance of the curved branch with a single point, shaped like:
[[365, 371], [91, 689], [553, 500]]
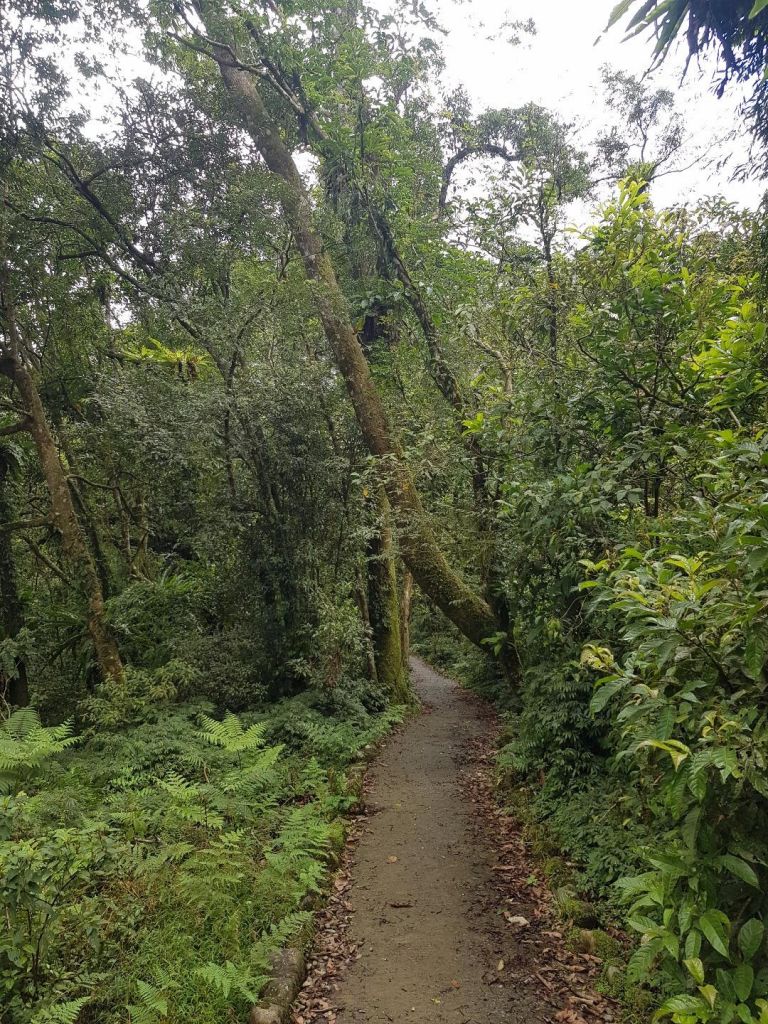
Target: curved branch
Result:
[[486, 149]]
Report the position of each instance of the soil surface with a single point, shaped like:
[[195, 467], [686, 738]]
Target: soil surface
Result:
[[427, 918]]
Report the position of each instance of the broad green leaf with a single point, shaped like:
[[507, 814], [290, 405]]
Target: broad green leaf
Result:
[[619, 11], [710, 994], [603, 694], [642, 959], [740, 869], [744, 1014], [714, 925], [680, 1004], [695, 968], [743, 978], [677, 751], [751, 937]]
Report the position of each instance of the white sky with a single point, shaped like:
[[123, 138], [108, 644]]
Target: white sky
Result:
[[559, 68]]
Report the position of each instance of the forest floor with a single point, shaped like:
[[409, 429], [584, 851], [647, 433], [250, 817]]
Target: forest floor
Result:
[[437, 914]]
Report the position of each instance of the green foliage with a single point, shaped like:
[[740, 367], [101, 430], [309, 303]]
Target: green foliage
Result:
[[61, 1013], [230, 734], [229, 977], [26, 744], [166, 848], [632, 534]]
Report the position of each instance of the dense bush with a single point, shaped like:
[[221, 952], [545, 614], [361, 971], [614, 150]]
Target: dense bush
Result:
[[634, 538]]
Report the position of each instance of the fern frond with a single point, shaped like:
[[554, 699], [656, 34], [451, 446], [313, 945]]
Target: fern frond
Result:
[[281, 931], [231, 978], [61, 1013], [255, 775], [230, 735], [153, 1001], [25, 743]]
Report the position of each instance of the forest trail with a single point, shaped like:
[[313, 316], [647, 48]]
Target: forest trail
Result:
[[428, 926]]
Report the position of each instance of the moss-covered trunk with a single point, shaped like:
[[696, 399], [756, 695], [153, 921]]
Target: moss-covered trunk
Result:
[[384, 606], [63, 513]]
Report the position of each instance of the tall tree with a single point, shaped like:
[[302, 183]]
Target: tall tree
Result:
[[14, 364], [470, 613]]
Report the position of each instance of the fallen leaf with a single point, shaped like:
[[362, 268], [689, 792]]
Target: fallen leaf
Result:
[[391, 860], [455, 984], [500, 966]]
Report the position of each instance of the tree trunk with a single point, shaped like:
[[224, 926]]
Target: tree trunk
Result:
[[469, 612], [361, 598], [11, 609], [384, 607], [64, 517], [439, 370], [83, 513], [63, 514], [406, 604]]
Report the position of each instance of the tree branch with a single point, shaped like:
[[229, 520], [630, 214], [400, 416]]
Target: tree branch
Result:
[[486, 149]]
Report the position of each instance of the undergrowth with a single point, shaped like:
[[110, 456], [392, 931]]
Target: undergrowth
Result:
[[148, 874]]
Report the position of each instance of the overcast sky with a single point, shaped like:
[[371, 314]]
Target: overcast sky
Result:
[[560, 68]]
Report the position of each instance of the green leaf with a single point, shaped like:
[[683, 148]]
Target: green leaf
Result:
[[676, 750], [639, 15], [695, 968], [603, 694], [745, 1014], [643, 924], [743, 978], [641, 961], [619, 11], [693, 944], [710, 994], [714, 924], [751, 937], [670, 25], [758, 6], [740, 869], [680, 1004]]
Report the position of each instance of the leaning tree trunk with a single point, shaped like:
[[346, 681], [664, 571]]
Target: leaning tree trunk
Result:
[[469, 612], [64, 518]]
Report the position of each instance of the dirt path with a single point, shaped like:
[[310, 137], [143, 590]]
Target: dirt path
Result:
[[426, 916]]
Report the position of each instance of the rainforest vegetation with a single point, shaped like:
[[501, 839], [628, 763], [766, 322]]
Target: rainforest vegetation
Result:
[[301, 359]]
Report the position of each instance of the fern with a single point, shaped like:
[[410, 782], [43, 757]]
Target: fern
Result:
[[181, 790], [153, 999], [304, 834], [188, 802], [61, 1013], [279, 932], [255, 775], [230, 735], [145, 863], [231, 978], [25, 744]]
